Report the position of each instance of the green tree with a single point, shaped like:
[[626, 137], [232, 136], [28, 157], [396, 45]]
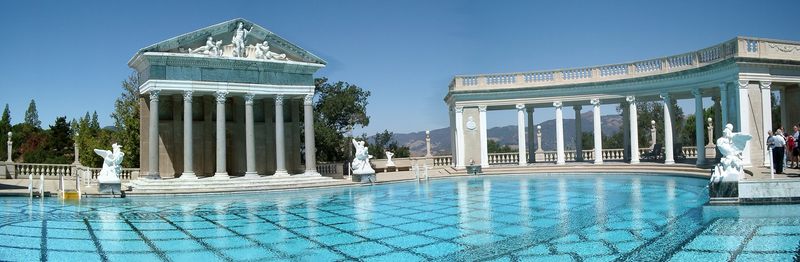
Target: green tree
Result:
[[776, 113], [5, 127], [59, 146], [126, 120], [688, 134], [654, 110], [587, 140], [493, 147], [384, 141], [339, 107], [32, 115], [90, 136]]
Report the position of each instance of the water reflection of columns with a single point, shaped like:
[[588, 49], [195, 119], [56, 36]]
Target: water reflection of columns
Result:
[[671, 198], [636, 203], [463, 202], [524, 195], [600, 201], [563, 206]]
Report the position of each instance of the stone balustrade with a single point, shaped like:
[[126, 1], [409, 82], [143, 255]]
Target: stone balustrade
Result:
[[745, 47], [550, 156]]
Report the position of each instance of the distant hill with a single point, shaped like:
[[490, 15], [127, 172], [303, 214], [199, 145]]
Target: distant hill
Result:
[[507, 135]]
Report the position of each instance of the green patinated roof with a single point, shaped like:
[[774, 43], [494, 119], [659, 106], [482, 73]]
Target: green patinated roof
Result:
[[224, 31]]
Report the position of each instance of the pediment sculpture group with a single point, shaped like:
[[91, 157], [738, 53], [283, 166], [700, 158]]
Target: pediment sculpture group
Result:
[[215, 48]]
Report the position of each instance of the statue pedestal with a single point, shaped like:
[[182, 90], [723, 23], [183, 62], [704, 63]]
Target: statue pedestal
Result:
[[724, 189], [474, 169], [364, 178], [110, 188]]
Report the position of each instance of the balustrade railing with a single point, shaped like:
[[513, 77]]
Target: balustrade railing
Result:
[[738, 47]]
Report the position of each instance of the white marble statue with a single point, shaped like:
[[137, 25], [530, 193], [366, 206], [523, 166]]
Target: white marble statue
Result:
[[361, 164], [111, 164], [239, 37], [731, 145], [389, 161], [262, 52], [211, 48]]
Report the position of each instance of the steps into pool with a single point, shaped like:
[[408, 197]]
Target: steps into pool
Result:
[[235, 184]]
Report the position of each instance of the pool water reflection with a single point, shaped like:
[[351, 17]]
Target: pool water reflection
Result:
[[559, 218]]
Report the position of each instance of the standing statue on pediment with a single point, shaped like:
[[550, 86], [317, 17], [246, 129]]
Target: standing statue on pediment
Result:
[[262, 52], [239, 37], [211, 48]]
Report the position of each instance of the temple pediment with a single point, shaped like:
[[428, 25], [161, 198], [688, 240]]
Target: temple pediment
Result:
[[237, 38]]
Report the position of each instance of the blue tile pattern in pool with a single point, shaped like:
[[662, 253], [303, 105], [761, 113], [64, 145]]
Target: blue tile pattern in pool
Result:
[[504, 218]]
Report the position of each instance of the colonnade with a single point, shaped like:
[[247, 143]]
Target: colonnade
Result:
[[221, 170], [730, 102]]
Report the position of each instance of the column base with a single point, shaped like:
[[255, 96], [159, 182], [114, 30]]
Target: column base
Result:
[[634, 161], [598, 161], [188, 175], [251, 175], [281, 173], [669, 162], [311, 173], [153, 175], [561, 162], [222, 175]]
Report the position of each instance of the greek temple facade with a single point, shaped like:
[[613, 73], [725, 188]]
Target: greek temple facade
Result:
[[231, 99], [739, 75]]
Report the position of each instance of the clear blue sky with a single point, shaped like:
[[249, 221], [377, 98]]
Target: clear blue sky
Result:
[[71, 56]]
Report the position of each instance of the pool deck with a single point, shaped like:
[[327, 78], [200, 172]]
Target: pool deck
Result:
[[19, 187], [758, 186]]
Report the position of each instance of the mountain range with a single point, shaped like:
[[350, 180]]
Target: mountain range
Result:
[[507, 135]]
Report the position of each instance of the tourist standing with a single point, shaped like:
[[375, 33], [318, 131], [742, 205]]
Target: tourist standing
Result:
[[777, 144], [790, 146], [796, 150]]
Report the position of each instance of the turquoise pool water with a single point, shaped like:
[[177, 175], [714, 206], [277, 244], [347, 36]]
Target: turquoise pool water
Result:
[[503, 218]]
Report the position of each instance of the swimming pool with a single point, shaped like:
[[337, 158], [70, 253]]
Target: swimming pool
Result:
[[505, 218]]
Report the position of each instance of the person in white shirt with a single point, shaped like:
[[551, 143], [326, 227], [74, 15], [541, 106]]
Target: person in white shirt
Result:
[[777, 144]]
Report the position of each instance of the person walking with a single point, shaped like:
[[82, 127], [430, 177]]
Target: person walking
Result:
[[796, 150], [777, 144]]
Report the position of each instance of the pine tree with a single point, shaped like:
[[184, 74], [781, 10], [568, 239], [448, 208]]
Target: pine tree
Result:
[[95, 124], [32, 116]]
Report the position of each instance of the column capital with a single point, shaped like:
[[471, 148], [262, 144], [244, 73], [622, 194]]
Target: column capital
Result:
[[743, 83], [595, 101], [308, 99], [630, 99], [664, 96], [279, 100], [187, 95], [154, 95], [765, 84], [577, 107], [558, 104], [723, 85], [696, 92], [482, 108], [459, 109], [520, 106], [220, 96], [248, 98]]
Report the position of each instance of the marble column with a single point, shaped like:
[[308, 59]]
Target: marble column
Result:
[[483, 136], [723, 97], [578, 134], [744, 121], [249, 137], [669, 149], [152, 149], [560, 157], [787, 127], [598, 131], [310, 142], [634, 127], [459, 154], [521, 134], [531, 136], [221, 171], [766, 114], [699, 128], [280, 149], [626, 131], [188, 143]]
